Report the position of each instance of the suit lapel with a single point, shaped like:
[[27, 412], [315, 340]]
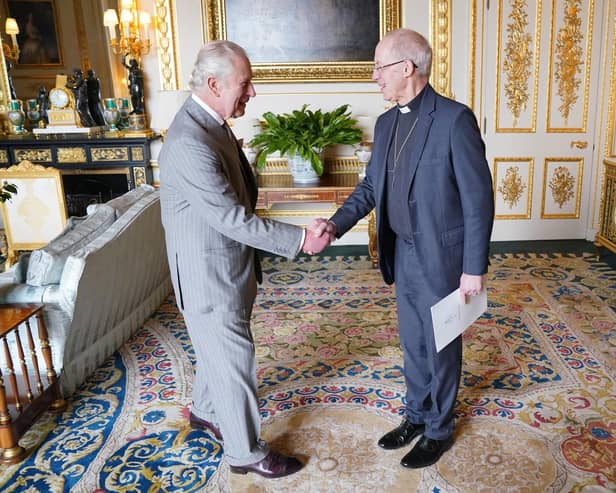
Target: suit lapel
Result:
[[426, 108]]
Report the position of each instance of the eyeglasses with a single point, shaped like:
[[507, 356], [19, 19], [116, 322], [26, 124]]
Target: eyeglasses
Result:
[[378, 68]]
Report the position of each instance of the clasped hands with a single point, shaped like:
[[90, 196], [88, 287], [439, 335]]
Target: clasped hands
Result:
[[320, 233]]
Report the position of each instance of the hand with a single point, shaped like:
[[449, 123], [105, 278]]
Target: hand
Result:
[[315, 244], [470, 285], [321, 225]]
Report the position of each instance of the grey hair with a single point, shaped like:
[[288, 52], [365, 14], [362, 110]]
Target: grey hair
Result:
[[214, 59], [410, 45]]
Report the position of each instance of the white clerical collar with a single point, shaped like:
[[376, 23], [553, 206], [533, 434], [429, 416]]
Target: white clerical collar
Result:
[[210, 111], [404, 109]]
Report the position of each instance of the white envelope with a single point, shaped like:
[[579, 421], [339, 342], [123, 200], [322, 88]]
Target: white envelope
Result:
[[450, 317]]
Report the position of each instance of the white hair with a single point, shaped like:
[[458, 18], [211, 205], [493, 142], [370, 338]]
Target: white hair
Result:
[[214, 59], [410, 45]]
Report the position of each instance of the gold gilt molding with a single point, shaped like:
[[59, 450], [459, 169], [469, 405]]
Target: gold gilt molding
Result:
[[82, 36], [511, 186], [167, 45], [139, 176], [333, 165], [440, 33], [568, 55], [109, 153], [71, 155], [136, 153], [4, 156], [518, 59], [25, 167], [216, 22], [40, 155], [473, 56], [561, 185], [610, 143]]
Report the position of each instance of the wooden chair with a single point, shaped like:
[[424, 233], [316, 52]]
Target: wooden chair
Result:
[[37, 212]]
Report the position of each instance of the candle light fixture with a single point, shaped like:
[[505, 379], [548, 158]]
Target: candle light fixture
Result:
[[11, 52], [134, 25]]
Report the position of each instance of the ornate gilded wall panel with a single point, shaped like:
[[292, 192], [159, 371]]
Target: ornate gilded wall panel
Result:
[[570, 48], [562, 188], [167, 44], [440, 39], [611, 112], [519, 38], [513, 187]]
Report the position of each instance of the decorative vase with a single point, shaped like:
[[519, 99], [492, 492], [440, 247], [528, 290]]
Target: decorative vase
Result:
[[124, 109], [16, 116], [137, 122], [33, 113], [301, 169], [111, 114], [363, 153]]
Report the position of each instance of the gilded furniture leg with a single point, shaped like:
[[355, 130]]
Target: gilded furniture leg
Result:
[[58, 404], [372, 249]]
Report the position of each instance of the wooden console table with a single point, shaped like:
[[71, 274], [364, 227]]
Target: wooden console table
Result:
[[28, 402], [331, 188]]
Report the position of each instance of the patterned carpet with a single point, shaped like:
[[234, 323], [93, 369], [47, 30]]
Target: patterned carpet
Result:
[[536, 410]]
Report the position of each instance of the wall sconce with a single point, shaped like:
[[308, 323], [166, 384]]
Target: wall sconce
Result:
[[134, 40], [12, 29]]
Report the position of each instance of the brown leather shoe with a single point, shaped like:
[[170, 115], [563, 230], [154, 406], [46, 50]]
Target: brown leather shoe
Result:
[[201, 424], [274, 465], [400, 436]]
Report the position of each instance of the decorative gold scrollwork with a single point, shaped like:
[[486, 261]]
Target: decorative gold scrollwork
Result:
[[71, 155], [109, 153], [512, 187], [518, 60], [569, 57], [139, 175], [40, 155], [561, 184], [136, 153]]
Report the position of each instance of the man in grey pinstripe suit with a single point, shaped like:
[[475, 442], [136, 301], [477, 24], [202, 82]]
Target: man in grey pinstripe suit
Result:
[[208, 197]]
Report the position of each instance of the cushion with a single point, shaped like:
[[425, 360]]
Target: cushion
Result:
[[21, 268], [46, 264], [122, 203]]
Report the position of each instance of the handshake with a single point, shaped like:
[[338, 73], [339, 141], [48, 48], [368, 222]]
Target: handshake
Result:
[[320, 233]]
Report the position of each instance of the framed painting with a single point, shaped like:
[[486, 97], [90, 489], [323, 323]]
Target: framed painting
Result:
[[38, 32], [305, 41]]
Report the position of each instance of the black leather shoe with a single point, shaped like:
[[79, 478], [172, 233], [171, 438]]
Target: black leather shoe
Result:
[[401, 436], [274, 465], [201, 424], [426, 452]]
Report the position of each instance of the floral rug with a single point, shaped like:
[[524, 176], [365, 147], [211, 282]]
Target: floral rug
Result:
[[536, 409]]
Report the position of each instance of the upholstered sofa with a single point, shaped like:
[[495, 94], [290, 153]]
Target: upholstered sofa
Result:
[[99, 280]]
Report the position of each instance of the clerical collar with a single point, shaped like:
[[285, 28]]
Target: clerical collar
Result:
[[412, 105]]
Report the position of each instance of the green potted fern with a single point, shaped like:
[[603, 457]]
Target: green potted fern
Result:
[[302, 135]]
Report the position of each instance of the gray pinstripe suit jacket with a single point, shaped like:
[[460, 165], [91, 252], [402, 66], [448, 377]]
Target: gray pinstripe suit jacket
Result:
[[208, 196]]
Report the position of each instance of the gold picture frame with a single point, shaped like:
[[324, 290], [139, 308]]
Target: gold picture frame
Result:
[[288, 63]]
